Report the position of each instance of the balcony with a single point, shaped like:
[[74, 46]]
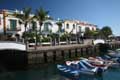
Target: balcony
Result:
[[14, 29]]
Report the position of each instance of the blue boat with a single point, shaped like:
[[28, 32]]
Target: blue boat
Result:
[[82, 67]]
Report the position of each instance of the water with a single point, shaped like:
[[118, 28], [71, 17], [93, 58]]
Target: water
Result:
[[49, 72]]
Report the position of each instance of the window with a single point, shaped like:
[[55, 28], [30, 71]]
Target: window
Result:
[[46, 27], [79, 28], [67, 26], [34, 25], [73, 26], [13, 24], [92, 29]]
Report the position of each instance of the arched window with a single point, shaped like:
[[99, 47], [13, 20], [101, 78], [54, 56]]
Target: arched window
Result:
[[92, 29], [34, 25], [67, 26], [46, 26], [79, 28], [73, 26]]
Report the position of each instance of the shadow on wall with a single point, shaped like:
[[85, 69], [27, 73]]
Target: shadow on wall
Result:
[[13, 59]]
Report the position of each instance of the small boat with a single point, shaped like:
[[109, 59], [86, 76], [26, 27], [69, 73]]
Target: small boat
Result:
[[114, 62], [97, 62], [118, 50], [82, 67], [113, 54]]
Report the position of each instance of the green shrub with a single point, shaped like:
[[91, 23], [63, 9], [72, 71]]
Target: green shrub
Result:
[[46, 39]]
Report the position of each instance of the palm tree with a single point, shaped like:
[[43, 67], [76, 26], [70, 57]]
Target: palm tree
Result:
[[59, 23], [25, 17], [41, 16], [68, 36]]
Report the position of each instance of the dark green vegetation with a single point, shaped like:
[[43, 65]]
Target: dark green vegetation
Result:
[[104, 33]]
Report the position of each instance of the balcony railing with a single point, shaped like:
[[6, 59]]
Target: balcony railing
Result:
[[14, 29]]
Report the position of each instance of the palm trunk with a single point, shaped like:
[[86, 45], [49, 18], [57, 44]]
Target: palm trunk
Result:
[[76, 39], [51, 41], [67, 40], [25, 38], [59, 40], [36, 40], [55, 42], [40, 23]]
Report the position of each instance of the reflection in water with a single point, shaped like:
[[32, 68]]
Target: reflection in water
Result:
[[81, 77], [49, 72]]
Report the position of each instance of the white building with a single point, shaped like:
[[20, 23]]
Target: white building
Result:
[[75, 26], [11, 25], [49, 26]]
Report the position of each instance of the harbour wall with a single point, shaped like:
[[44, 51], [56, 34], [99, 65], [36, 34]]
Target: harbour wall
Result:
[[12, 59], [62, 53]]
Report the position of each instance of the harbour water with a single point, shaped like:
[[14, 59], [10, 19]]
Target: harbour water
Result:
[[50, 72]]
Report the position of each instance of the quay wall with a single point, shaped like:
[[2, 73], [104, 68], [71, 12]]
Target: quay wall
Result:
[[61, 53], [12, 59]]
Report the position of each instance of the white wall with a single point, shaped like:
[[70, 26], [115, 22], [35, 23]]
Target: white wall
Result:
[[1, 25], [53, 27], [82, 28], [70, 29], [12, 45]]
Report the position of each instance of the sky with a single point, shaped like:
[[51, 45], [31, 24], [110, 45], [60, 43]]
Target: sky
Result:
[[99, 12]]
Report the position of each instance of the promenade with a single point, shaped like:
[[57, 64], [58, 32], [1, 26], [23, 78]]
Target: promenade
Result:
[[44, 48]]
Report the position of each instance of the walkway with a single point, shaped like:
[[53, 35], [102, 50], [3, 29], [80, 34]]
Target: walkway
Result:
[[86, 43]]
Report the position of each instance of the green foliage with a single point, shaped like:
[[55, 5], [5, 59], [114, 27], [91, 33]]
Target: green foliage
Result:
[[31, 36], [88, 33], [53, 35], [106, 31], [59, 23], [46, 39], [41, 15], [25, 17], [93, 34], [63, 37], [34, 25]]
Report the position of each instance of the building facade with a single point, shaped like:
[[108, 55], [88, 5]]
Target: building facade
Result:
[[9, 24], [75, 26]]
